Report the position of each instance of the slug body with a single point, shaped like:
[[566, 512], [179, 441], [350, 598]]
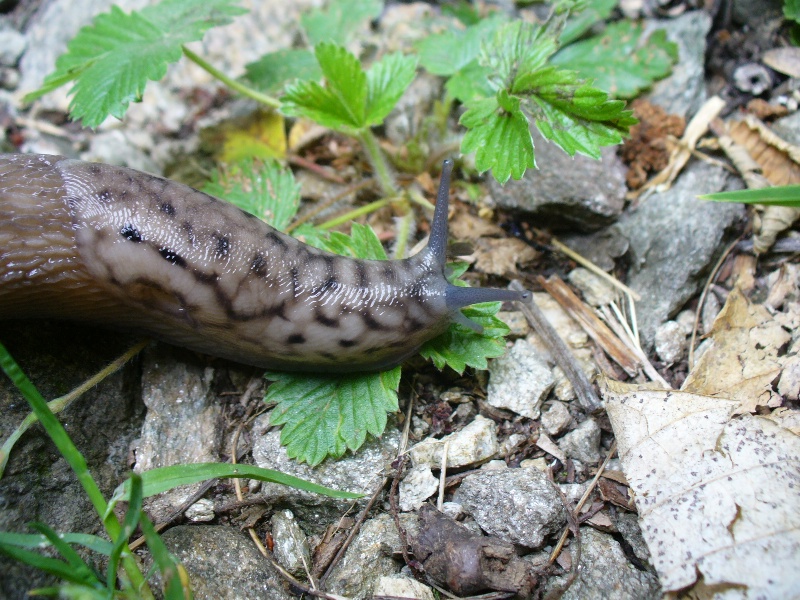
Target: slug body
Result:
[[118, 247]]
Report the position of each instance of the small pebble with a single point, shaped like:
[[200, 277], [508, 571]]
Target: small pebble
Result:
[[670, 342]]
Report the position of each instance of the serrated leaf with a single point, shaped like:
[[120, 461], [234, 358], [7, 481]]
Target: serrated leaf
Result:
[[620, 61], [595, 11], [112, 59], [470, 83], [339, 20], [361, 243], [341, 103], [387, 79], [460, 347], [448, 52], [326, 416], [272, 71], [571, 113], [263, 189], [499, 136]]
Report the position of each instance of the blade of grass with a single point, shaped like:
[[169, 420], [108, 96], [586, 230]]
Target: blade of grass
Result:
[[128, 527], [173, 574], [81, 571]]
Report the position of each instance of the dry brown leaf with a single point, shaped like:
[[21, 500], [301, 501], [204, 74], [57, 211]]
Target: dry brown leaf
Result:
[[717, 495], [743, 360], [777, 158], [463, 225], [501, 256]]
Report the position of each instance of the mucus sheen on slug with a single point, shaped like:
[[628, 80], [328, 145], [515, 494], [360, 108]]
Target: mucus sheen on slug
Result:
[[126, 249]]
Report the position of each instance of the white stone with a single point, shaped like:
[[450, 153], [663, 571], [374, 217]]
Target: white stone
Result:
[[519, 381], [418, 485], [475, 443], [556, 418]]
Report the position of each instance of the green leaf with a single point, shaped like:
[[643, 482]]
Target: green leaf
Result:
[[263, 189], [574, 115], [460, 347], [499, 136], [463, 10], [783, 195], [791, 10], [448, 52], [361, 243], [324, 416], [620, 60], [39, 541], [129, 524], [351, 99], [595, 11], [162, 479], [387, 79], [80, 570], [272, 71], [112, 59], [61, 569], [470, 83], [167, 564], [339, 20]]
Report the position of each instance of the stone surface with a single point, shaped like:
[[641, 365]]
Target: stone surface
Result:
[[606, 573], [674, 240], [596, 290], [583, 442], [418, 485], [684, 91], [670, 342], [224, 564], [520, 506], [591, 196], [12, 45], [519, 380], [556, 418], [402, 587], [476, 443], [291, 548]]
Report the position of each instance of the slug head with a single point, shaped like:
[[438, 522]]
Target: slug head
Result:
[[457, 297]]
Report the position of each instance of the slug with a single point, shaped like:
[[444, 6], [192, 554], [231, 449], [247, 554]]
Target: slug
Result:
[[121, 248]]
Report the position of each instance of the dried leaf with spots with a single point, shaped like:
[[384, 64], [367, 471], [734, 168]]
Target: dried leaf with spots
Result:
[[745, 356], [501, 257], [464, 225], [717, 494]]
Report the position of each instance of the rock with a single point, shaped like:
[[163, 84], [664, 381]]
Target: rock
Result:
[[596, 290], [201, 511], [566, 192], [556, 418], [519, 381], [789, 383], [414, 106], [520, 506], [402, 587], [224, 564], [418, 485], [605, 573], [12, 45], [684, 91], [628, 526], [583, 442], [291, 548], [516, 322], [788, 128], [369, 558], [476, 443], [353, 473], [670, 342], [674, 239]]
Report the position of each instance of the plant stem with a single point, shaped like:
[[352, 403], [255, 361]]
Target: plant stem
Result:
[[383, 172], [358, 212], [74, 459], [231, 83]]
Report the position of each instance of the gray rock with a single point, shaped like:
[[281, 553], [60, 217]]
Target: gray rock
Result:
[[674, 240], [519, 380], [352, 473], [749, 12], [520, 506], [556, 418], [201, 511], [788, 128], [628, 526], [418, 485], [596, 290], [476, 443], [414, 106], [670, 342], [684, 91], [224, 564], [291, 548], [605, 573], [402, 587], [369, 558], [583, 442], [12, 45], [566, 192]]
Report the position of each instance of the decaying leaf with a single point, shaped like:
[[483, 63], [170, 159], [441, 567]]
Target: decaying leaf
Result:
[[467, 562], [501, 256], [744, 360], [717, 494]]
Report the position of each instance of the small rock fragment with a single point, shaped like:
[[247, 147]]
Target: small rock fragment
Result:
[[519, 381], [418, 485], [583, 442], [397, 586], [670, 342], [556, 418], [789, 383], [201, 511], [475, 443], [291, 548], [596, 290], [520, 506]]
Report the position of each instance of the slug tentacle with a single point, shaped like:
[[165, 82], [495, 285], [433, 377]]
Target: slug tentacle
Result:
[[129, 250]]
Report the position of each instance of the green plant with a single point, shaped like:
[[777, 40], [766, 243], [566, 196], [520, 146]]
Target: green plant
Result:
[[82, 580], [506, 73], [781, 195]]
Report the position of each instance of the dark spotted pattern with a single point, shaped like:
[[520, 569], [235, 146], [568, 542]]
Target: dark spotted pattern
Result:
[[130, 233]]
